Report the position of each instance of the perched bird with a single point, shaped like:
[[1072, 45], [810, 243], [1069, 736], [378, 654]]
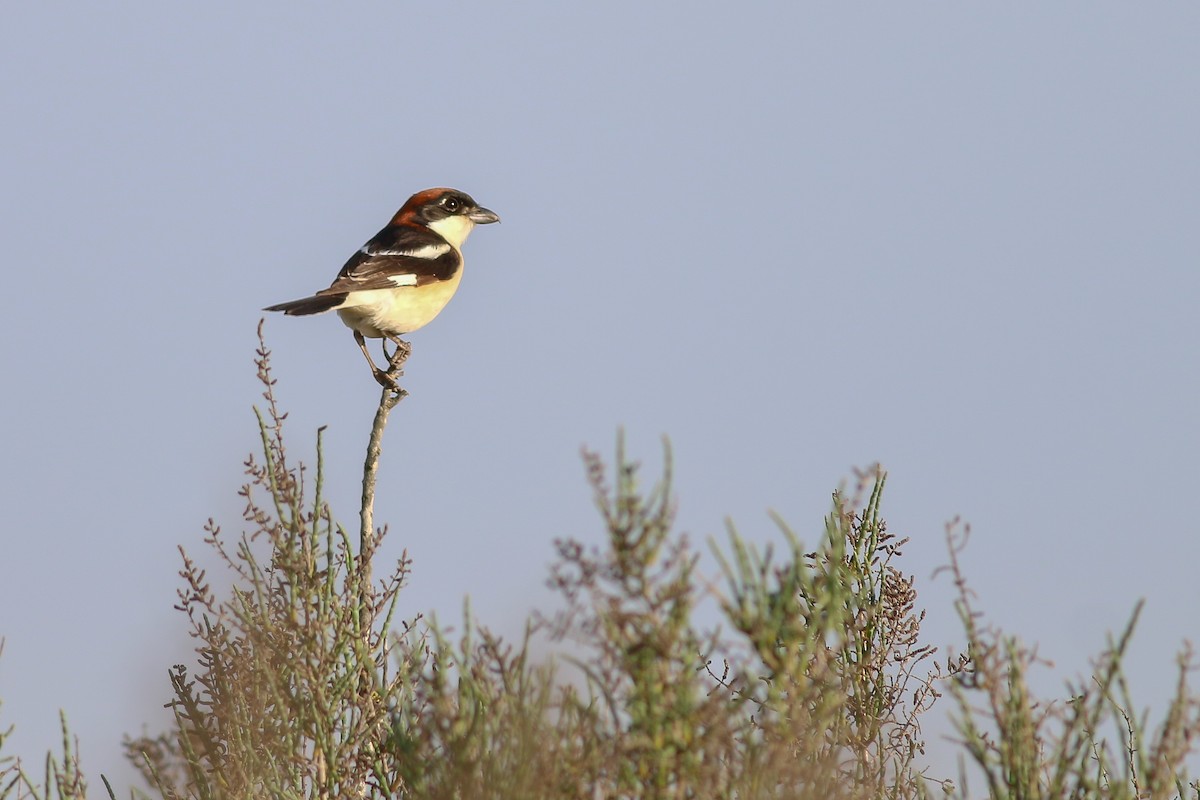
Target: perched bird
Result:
[[404, 276]]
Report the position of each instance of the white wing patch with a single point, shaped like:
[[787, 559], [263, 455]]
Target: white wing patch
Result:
[[429, 251], [407, 279]]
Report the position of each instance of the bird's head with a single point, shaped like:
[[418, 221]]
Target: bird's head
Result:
[[447, 212]]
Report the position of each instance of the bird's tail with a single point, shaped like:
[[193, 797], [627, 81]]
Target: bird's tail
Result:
[[309, 305]]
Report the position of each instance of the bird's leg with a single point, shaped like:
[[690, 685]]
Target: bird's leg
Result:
[[385, 380]]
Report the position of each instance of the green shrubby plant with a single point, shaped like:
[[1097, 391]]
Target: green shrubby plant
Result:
[[309, 682], [61, 777], [1090, 744]]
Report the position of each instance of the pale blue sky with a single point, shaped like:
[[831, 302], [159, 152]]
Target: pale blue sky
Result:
[[795, 237]]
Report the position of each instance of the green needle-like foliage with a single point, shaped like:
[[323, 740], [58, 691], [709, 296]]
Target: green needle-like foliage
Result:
[[1089, 745], [310, 682]]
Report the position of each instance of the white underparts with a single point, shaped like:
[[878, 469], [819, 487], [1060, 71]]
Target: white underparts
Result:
[[378, 312]]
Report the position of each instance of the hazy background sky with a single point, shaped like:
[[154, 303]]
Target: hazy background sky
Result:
[[797, 238]]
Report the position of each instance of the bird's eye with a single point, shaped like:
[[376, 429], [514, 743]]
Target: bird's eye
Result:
[[451, 204]]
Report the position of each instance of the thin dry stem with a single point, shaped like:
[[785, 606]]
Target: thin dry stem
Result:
[[387, 401]]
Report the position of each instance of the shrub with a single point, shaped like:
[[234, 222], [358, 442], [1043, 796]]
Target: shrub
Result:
[[308, 684]]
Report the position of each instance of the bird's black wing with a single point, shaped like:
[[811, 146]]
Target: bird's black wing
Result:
[[399, 255]]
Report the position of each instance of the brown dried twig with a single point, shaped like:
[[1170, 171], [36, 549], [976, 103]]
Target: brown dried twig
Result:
[[392, 394]]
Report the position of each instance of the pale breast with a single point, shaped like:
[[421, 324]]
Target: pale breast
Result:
[[378, 312]]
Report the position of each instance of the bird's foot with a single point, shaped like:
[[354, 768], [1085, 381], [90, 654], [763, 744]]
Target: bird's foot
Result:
[[402, 351]]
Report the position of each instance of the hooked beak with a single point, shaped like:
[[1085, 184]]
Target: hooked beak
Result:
[[482, 216]]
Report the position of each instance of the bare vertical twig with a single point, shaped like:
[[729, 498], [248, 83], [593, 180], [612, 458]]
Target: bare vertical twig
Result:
[[387, 401]]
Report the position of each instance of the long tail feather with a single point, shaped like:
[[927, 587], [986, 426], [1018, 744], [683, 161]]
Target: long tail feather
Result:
[[309, 305]]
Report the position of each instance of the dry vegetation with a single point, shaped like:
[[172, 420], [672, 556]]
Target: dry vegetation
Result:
[[310, 682]]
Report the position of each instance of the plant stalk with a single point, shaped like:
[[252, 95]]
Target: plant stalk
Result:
[[390, 396]]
